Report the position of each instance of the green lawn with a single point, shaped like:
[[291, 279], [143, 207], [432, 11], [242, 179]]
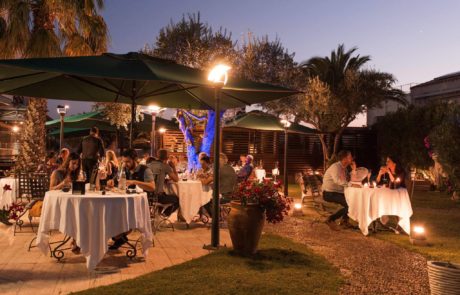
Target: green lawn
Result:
[[280, 267], [441, 218]]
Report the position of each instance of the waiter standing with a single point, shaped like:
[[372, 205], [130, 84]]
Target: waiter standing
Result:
[[91, 149]]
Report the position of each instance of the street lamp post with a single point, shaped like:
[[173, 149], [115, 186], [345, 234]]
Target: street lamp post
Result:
[[218, 76], [154, 112], [286, 125], [61, 110], [162, 132]]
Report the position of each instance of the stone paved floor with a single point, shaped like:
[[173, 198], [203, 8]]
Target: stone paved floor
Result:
[[23, 272]]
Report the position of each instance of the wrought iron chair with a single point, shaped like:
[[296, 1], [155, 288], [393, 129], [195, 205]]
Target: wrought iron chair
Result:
[[157, 209], [33, 187]]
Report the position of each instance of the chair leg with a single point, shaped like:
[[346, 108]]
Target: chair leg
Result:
[[31, 242]]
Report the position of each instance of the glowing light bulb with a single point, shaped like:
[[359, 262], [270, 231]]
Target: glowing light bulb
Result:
[[219, 74]]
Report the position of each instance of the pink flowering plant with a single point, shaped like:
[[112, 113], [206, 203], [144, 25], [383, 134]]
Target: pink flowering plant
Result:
[[267, 195]]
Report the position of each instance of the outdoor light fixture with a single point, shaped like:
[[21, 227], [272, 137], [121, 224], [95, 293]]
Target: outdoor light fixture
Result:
[[15, 129], [417, 236], [219, 74], [297, 210], [286, 125], [162, 130], [154, 111], [62, 110]]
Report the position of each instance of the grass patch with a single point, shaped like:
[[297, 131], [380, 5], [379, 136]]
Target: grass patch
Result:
[[441, 218], [280, 267]]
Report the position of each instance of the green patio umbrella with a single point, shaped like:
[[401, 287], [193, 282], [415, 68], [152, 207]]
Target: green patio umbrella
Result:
[[258, 120], [136, 79], [132, 78], [85, 121]]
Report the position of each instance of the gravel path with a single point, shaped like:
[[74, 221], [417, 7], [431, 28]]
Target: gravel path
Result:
[[370, 266]]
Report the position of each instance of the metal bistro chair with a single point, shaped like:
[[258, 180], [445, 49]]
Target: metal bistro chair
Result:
[[157, 209], [33, 187]]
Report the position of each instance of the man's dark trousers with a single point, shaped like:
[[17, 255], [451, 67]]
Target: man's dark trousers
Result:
[[338, 198]]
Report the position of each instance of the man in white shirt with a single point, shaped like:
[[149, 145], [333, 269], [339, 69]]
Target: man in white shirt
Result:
[[334, 181]]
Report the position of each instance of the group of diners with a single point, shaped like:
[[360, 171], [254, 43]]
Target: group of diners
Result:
[[151, 174]]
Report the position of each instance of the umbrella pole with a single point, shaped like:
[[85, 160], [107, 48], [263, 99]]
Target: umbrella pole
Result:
[[285, 175], [133, 117], [215, 239]]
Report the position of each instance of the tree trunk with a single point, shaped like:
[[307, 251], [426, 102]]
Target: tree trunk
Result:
[[324, 146], [337, 138], [33, 136]]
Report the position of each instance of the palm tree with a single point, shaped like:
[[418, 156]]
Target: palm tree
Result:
[[45, 28], [350, 90], [48, 28], [332, 69]]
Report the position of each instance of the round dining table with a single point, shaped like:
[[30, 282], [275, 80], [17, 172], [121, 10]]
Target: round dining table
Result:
[[368, 204], [93, 219], [192, 195], [9, 191]]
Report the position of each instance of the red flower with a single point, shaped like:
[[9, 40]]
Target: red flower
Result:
[[266, 195]]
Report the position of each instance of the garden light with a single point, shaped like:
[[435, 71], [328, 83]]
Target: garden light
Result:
[[297, 210], [219, 74], [417, 236]]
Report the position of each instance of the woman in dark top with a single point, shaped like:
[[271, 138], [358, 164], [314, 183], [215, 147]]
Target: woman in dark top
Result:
[[393, 171], [66, 173], [63, 177]]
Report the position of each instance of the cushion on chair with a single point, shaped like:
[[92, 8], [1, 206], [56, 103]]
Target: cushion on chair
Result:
[[36, 209]]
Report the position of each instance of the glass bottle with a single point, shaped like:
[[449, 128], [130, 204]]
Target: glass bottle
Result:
[[122, 179]]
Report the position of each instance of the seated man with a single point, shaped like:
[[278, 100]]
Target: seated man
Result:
[[334, 181], [246, 171], [227, 183], [136, 175], [160, 168], [228, 179]]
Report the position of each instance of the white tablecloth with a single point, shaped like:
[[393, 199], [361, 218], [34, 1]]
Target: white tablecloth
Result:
[[260, 174], [93, 219], [192, 195], [7, 197], [367, 204]]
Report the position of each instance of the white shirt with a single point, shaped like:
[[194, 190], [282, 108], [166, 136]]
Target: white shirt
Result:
[[335, 178]]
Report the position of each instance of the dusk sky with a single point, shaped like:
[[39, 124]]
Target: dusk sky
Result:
[[414, 40]]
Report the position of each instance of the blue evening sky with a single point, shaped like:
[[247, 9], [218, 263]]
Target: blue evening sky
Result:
[[414, 40]]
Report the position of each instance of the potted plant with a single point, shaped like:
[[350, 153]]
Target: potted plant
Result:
[[252, 203]]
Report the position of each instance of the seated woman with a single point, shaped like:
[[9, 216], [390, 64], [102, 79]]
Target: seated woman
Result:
[[205, 172], [63, 177], [205, 175], [66, 173], [111, 170], [393, 171]]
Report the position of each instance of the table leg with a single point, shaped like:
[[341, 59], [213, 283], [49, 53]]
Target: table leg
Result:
[[59, 253]]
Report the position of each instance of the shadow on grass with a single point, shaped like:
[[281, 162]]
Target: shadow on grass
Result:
[[270, 259]]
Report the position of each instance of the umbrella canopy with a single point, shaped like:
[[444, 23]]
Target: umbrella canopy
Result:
[[128, 78], [258, 120], [87, 120]]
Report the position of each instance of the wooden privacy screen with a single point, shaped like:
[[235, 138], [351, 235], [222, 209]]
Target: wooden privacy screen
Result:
[[304, 150]]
